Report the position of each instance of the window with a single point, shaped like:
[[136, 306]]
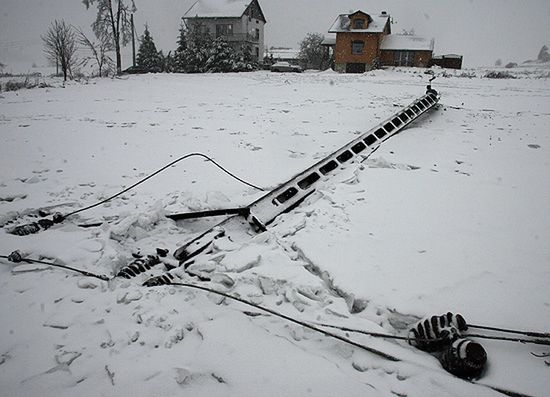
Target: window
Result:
[[224, 30], [357, 47], [257, 34], [404, 58], [359, 24]]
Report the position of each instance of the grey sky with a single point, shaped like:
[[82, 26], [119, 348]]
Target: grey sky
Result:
[[481, 30]]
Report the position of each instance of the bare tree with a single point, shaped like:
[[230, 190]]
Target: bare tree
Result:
[[113, 20], [60, 46], [99, 50]]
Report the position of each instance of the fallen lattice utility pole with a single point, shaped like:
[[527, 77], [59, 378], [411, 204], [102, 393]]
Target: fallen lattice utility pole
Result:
[[291, 193]]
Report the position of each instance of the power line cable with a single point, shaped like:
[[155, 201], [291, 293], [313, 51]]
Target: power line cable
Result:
[[158, 172], [408, 339], [292, 320], [16, 257]]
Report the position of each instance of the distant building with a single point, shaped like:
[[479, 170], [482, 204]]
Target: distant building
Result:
[[449, 61], [240, 22], [289, 55], [365, 41]]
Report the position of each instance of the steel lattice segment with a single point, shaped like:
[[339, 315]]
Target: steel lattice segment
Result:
[[291, 193]]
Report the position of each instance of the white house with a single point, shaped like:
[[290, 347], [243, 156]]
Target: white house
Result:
[[240, 22]]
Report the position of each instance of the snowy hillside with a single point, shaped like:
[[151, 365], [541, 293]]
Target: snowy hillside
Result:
[[451, 214]]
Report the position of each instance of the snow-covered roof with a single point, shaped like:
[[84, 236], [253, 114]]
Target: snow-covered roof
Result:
[[218, 9], [342, 24], [329, 40], [283, 53], [406, 42], [455, 56]]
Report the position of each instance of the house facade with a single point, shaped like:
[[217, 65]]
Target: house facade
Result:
[[406, 50], [364, 41], [239, 22]]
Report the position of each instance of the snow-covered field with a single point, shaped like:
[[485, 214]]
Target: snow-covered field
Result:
[[451, 214]]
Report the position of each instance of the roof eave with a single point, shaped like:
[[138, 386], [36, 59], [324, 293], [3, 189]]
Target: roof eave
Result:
[[188, 16], [212, 17]]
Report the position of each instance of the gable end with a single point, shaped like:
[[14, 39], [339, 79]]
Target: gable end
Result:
[[255, 11]]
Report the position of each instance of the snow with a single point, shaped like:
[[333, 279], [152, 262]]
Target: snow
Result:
[[406, 42], [451, 214], [329, 39], [342, 24], [218, 8]]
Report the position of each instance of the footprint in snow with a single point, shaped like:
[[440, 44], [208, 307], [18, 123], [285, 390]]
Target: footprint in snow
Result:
[[33, 179], [4, 357], [13, 197]]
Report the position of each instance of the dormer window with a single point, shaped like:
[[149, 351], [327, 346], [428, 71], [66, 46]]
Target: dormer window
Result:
[[359, 24]]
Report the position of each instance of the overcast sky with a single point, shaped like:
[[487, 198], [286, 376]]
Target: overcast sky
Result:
[[481, 30]]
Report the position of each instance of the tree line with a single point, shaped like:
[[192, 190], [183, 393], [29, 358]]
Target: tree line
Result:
[[197, 50]]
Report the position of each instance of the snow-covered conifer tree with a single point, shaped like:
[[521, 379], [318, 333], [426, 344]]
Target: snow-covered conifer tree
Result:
[[221, 57], [148, 58], [179, 61], [199, 45]]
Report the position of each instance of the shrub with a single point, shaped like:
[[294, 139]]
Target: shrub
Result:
[[499, 75], [468, 75], [14, 85]]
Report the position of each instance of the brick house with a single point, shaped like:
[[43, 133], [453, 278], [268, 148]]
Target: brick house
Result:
[[364, 41], [239, 22]]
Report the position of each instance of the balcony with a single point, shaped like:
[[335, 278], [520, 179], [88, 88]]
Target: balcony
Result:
[[240, 38]]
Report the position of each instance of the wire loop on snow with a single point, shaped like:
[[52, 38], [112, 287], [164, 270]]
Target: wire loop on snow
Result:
[[158, 172], [35, 227]]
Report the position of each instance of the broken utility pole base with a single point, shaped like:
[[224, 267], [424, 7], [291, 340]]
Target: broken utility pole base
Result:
[[291, 193]]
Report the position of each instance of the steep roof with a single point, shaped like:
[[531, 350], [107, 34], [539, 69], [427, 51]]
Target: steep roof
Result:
[[406, 42], [343, 23], [221, 9]]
